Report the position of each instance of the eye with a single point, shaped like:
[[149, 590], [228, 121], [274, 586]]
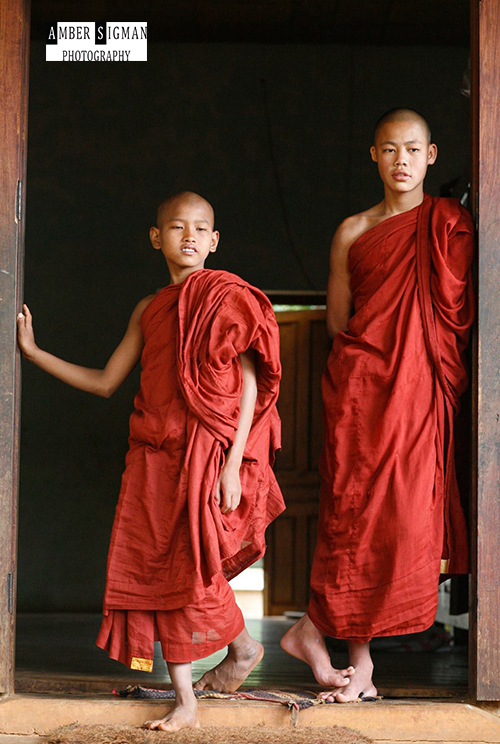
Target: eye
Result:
[[203, 229], [389, 149], [414, 149], [176, 227]]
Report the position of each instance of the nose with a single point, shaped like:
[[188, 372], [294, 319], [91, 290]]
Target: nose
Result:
[[401, 158]]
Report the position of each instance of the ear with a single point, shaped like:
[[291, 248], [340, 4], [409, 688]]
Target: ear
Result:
[[373, 153], [154, 236], [433, 153], [215, 241]]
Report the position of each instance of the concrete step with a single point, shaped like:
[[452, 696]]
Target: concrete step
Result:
[[421, 721]]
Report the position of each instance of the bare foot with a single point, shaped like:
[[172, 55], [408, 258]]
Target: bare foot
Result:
[[304, 641], [361, 684], [181, 716], [243, 655]]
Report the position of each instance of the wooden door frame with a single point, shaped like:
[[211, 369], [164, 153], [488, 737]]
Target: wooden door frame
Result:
[[484, 666], [14, 61], [485, 610]]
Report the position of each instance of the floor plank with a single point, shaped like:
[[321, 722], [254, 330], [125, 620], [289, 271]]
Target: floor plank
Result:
[[56, 653]]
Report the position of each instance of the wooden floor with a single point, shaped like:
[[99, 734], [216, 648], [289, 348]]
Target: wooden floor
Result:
[[56, 653]]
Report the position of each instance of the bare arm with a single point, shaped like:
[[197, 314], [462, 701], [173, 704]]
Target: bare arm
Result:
[[101, 382], [339, 297], [228, 493]]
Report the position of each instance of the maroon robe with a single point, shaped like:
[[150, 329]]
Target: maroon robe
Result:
[[172, 550], [390, 510]]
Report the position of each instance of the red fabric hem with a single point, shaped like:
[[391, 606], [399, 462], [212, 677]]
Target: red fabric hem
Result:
[[175, 653], [179, 653], [409, 615], [186, 634], [328, 631]]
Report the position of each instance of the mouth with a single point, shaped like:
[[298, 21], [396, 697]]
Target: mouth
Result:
[[188, 250], [401, 176]]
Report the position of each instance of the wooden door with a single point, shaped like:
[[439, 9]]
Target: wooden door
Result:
[[291, 539], [485, 611], [14, 52]]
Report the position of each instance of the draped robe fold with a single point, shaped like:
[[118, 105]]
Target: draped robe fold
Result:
[[172, 550], [390, 510]]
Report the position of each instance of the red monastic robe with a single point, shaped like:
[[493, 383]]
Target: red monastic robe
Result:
[[172, 550], [390, 509]]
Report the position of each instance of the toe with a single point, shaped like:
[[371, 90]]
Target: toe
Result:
[[346, 672], [151, 724], [328, 695], [167, 726], [342, 698], [332, 698]]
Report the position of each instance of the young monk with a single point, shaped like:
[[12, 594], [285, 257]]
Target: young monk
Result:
[[198, 489], [399, 309]]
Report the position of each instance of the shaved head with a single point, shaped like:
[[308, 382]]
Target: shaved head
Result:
[[167, 207], [402, 114]]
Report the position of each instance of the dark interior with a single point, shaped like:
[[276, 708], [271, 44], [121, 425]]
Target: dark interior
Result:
[[267, 109]]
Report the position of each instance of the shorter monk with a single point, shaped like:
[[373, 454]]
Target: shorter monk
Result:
[[399, 308], [198, 490]]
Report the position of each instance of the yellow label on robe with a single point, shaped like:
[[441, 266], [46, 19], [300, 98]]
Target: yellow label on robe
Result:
[[142, 665], [445, 564]]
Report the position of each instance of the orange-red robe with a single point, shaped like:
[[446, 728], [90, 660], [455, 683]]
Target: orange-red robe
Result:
[[390, 509], [172, 550]]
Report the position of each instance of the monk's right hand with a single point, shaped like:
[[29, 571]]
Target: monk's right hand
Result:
[[228, 488], [25, 335]]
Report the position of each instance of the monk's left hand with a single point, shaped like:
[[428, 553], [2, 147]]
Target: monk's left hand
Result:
[[228, 488]]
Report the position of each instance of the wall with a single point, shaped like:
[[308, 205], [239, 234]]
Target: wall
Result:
[[106, 144]]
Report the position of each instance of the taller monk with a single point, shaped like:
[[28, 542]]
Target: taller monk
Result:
[[399, 308]]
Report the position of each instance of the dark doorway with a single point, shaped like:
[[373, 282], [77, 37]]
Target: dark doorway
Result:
[[272, 134]]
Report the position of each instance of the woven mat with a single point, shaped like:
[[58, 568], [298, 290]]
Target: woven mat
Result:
[[77, 734], [290, 698]]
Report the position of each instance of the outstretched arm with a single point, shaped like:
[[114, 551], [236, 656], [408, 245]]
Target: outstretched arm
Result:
[[101, 382], [228, 493], [339, 297]]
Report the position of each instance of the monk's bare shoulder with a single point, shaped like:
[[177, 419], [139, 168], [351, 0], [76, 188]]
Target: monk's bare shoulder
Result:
[[140, 307], [351, 229]]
